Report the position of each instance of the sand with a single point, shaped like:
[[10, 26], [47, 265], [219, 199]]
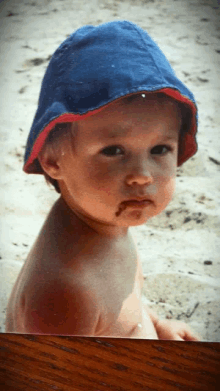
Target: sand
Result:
[[179, 249]]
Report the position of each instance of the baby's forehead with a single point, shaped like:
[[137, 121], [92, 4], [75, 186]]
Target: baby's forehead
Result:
[[144, 102], [149, 99], [130, 114]]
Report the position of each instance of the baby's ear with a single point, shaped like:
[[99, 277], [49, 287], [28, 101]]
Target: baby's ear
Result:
[[50, 163]]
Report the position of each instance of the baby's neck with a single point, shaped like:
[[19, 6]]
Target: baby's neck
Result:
[[99, 227]]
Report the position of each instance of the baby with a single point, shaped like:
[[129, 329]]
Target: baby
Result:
[[112, 125]]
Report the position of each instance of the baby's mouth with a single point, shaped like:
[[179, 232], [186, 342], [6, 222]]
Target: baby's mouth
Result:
[[132, 204]]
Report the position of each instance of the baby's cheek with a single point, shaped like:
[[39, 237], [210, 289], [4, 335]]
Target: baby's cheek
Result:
[[171, 185], [103, 178], [166, 188], [101, 187], [169, 189]]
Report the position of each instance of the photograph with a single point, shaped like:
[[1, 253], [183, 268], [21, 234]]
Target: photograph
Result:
[[110, 169]]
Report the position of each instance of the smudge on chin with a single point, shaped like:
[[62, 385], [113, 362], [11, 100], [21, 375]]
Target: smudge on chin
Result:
[[120, 210]]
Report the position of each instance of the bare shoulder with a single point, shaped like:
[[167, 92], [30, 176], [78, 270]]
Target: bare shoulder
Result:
[[54, 293], [62, 308], [58, 295]]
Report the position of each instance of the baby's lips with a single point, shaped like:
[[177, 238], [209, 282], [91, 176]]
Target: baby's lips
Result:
[[137, 203]]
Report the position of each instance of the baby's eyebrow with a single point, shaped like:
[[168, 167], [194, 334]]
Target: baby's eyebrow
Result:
[[170, 138], [121, 132], [115, 135], [124, 132]]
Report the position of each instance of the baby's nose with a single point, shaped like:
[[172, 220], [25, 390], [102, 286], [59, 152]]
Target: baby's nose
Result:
[[140, 174], [139, 180]]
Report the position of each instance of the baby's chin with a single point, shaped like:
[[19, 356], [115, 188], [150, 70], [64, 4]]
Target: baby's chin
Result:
[[133, 218]]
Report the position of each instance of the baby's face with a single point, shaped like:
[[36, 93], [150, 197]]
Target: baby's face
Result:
[[126, 152]]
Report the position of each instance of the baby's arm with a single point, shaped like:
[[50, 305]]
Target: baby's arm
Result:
[[62, 309], [175, 330], [171, 329]]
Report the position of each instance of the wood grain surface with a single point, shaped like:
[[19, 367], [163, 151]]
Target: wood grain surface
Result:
[[30, 362]]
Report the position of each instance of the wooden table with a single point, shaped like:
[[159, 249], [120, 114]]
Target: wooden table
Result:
[[98, 364]]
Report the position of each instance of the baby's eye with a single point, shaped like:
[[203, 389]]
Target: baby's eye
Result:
[[113, 150], [161, 149]]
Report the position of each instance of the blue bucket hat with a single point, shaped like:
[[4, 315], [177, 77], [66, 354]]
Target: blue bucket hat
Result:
[[95, 66]]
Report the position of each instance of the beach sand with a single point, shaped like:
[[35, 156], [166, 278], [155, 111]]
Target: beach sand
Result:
[[179, 249]]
